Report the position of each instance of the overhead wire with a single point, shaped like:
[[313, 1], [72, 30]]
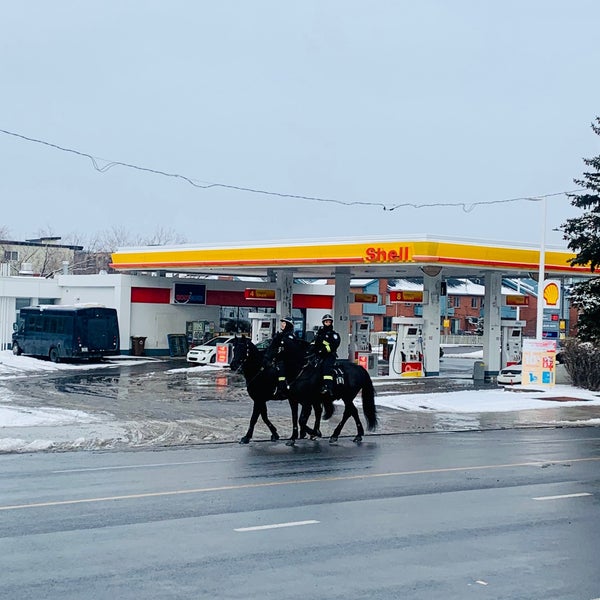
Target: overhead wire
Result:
[[109, 164]]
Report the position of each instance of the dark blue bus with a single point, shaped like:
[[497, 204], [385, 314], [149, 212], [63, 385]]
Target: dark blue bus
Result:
[[66, 332]]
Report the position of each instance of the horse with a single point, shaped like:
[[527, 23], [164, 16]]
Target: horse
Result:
[[261, 383], [351, 378]]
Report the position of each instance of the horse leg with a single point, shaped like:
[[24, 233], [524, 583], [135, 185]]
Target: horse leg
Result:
[[359, 426], [256, 411], [272, 428], [318, 412], [304, 415], [294, 409], [336, 432]]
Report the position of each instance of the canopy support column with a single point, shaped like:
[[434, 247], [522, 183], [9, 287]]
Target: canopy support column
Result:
[[341, 309], [431, 323], [492, 317]]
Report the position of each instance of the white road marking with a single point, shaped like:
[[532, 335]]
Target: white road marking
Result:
[[143, 466], [562, 496], [481, 582], [276, 525], [308, 480]]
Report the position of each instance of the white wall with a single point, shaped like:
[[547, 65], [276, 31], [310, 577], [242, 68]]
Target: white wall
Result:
[[152, 321]]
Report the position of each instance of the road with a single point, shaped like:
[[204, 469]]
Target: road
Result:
[[490, 514]]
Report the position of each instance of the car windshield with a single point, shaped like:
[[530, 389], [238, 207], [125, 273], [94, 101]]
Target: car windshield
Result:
[[217, 340]]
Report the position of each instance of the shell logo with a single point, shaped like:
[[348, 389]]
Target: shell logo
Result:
[[551, 294]]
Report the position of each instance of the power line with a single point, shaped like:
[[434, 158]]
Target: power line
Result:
[[109, 164]]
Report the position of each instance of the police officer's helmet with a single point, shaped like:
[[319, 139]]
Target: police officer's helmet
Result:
[[287, 320], [327, 317]]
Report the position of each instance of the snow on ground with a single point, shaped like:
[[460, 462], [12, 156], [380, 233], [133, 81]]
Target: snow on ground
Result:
[[53, 425]]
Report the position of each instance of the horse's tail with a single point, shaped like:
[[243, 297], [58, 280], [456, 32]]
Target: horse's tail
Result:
[[368, 401]]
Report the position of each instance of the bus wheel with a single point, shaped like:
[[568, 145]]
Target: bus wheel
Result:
[[16, 350], [53, 355]]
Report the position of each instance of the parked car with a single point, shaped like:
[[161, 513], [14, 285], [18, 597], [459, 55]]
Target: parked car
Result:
[[510, 375], [206, 353]]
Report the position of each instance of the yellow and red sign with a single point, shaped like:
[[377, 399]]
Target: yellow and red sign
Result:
[[406, 296], [551, 293], [517, 300], [412, 369], [366, 298], [254, 294]]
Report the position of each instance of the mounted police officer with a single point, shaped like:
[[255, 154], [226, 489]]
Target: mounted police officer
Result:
[[284, 344], [326, 344]]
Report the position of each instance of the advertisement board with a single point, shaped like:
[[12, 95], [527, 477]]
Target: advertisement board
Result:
[[189, 293], [539, 362]]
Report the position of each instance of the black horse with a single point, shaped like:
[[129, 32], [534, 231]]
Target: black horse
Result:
[[351, 379], [261, 383]]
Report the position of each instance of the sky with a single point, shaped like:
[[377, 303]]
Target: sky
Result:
[[32, 429], [387, 103]]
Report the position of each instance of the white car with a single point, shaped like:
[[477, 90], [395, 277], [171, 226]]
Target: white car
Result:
[[512, 375], [206, 354]]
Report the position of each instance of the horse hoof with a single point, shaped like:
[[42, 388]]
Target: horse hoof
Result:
[[333, 440], [274, 437], [290, 443], [357, 439], [245, 440]]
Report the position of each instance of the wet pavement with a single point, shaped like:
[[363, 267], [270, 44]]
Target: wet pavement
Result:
[[165, 403]]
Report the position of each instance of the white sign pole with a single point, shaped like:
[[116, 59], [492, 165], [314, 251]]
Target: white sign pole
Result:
[[539, 323]]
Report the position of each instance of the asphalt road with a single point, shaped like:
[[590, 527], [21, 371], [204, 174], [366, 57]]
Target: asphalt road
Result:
[[491, 514]]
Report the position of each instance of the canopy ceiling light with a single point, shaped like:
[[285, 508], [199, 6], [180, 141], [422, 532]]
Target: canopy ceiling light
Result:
[[431, 270]]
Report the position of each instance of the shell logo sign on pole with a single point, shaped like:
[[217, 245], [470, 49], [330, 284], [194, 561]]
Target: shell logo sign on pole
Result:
[[551, 293]]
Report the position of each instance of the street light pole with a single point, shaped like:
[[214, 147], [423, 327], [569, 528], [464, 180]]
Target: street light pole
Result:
[[540, 299]]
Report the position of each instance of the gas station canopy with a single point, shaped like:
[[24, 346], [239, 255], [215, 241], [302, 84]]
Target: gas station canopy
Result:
[[407, 256]]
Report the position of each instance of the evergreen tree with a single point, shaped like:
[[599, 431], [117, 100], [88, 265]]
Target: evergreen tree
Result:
[[583, 236]]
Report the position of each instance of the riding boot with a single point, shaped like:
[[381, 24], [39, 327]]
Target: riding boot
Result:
[[327, 387]]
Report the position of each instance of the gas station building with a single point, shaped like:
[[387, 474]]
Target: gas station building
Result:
[[277, 265]]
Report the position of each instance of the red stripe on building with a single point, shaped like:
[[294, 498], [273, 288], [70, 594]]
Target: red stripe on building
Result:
[[228, 298], [312, 301], [151, 295]]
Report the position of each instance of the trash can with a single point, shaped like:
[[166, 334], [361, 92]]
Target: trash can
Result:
[[138, 346], [479, 370]]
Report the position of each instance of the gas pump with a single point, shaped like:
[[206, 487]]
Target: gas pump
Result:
[[263, 326], [406, 357], [359, 337], [512, 341], [360, 346]]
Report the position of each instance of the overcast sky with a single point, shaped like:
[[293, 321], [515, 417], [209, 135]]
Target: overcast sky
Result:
[[388, 102]]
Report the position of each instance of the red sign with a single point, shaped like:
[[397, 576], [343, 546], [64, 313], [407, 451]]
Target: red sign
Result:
[[253, 294], [367, 298], [222, 354], [406, 296], [381, 255]]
